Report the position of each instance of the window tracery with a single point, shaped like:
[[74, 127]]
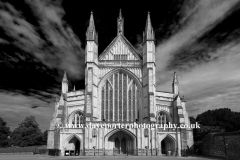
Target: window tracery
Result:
[[77, 118], [162, 118], [120, 99]]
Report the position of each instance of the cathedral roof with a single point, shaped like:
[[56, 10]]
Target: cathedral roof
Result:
[[115, 40]]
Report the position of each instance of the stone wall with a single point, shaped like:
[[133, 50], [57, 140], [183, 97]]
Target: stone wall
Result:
[[222, 145]]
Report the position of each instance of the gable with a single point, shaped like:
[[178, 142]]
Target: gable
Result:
[[120, 49]]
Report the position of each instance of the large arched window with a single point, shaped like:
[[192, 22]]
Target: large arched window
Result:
[[76, 118], [120, 98], [163, 118]]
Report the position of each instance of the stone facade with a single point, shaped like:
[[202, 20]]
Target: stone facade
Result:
[[120, 87]]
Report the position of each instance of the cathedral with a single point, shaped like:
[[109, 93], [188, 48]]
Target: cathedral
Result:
[[120, 87]]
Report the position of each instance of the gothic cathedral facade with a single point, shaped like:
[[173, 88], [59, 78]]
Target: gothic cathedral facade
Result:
[[120, 87]]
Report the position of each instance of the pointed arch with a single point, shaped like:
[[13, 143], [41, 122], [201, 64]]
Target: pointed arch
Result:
[[111, 137], [165, 114], [109, 134], [73, 142], [123, 70], [169, 136], [77, 116], [72, 136], [168, 143], [120, 101]]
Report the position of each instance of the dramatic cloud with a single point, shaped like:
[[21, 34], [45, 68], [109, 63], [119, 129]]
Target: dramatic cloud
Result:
[[198, 17], [208, 68], [200, 40], [52, 42], [15, 107], [215, 84], [39, 46]]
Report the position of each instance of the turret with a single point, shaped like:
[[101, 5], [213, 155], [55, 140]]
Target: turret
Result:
[[91, 72], [120, 22], [149, 82], [175, 84], [65, 83], [91, 34], [149, 32]]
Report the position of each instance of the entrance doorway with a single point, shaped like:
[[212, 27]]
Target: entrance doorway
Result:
[[168, 145], [73, 148], [163, 147], [123, 146], [117, 143], [123, 143]]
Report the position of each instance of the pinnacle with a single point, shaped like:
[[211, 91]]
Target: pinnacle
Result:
[[91, 22], [175, 79], [65, 77]]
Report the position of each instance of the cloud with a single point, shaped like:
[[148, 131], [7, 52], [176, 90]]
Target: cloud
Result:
[[15, 107], [42, 39], [209, 74], [226, 98], [3, 41], [52, 41], [198, 18], [215, 84]]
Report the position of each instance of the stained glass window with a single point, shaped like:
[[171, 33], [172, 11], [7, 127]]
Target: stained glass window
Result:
[[124, 97], [116, 97], [76, 118], [129, 105], [102, 108], [111, 104], [162, 118], [107, 101], [133, 100], [120, 98]]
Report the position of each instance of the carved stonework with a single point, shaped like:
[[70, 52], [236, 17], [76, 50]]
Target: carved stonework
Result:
[[120, 88], [94, 132], [145, 132], [120, 50], [163, 108], [120, 135]]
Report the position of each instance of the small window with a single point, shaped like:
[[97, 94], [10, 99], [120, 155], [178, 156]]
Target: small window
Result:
[[77, 118], [120, 57], [162, 118]]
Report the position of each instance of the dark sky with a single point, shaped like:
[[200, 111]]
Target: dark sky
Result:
[[39, 40]]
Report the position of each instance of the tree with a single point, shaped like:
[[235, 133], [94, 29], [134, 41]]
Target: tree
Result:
[[192, 120], [214, 121], [4, 133], [45, 136], [27, 133], [223, 117]]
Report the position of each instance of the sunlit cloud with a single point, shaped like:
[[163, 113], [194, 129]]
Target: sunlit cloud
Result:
[[15, 107], [209, 77], [57, 47], [198, 17]]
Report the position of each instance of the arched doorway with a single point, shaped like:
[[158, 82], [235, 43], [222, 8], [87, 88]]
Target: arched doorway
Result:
[[73, 146], [120, 146], [121, 142], [168, 145], [117, 144], [163, 145], [124, 146]]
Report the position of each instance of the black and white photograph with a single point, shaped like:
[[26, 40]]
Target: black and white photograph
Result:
[[97, 80]]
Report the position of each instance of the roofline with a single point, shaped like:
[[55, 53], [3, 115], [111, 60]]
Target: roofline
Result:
[[130, 45]]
